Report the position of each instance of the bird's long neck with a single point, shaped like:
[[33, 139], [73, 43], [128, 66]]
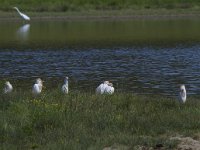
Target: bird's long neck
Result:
[[18, 10]]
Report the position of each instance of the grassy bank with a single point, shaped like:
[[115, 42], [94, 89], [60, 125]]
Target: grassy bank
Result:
[[105, 14], [88, 121], [77, 5]]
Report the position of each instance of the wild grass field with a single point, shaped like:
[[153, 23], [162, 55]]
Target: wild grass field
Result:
[[77, 5], [88, 121]]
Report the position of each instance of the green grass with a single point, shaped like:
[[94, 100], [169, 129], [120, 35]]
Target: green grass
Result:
[[88, 121], [77, 5]]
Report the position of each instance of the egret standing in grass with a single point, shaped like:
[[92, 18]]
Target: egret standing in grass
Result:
[[101, 88], [37, 87], [25, 17], [65, 89], [8, 87], [182, 94], [109, 89]]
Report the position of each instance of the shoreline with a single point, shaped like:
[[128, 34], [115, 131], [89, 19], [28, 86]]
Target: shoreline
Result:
[[106, 15]]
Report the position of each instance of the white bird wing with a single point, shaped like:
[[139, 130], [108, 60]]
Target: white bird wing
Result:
[[36, 89], [25, 16], [109, 90], [65, 89], [98, 89], [112, 90], [40, 87], [101, 88], [8, 88], [182, 96], [105, 86]]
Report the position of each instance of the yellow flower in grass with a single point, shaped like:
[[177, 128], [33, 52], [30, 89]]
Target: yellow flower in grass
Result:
[[37, 102]]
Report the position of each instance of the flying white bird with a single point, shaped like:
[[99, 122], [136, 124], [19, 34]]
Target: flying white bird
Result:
[[37, 87], [109, 89], [8, 87], [182, 94], [101, 88], [65, 86], [25, 17]]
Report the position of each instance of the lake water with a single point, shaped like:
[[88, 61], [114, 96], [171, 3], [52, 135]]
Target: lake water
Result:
[[139, 56]]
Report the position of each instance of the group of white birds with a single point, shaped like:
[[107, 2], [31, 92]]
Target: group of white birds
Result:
[[104, 88], [37, 87]]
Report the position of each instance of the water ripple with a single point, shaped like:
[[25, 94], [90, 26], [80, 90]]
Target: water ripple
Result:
[[148, 70]]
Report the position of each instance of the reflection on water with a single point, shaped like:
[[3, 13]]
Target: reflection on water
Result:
[[146, 56], [101, 33], [23, 32]]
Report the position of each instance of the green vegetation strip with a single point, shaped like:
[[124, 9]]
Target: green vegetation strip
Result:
[[88, 121], [77, 5]]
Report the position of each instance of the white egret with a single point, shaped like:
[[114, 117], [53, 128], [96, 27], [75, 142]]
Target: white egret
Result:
[[25, 17], [37, 87], [8, 87], [109, 89], [182, 94], [65, 86], [101, 88]]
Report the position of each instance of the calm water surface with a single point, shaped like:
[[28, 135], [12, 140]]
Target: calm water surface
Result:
[[146, 56]]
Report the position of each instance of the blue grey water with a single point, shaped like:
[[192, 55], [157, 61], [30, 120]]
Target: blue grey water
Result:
[[137, 62], [148, 70]]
